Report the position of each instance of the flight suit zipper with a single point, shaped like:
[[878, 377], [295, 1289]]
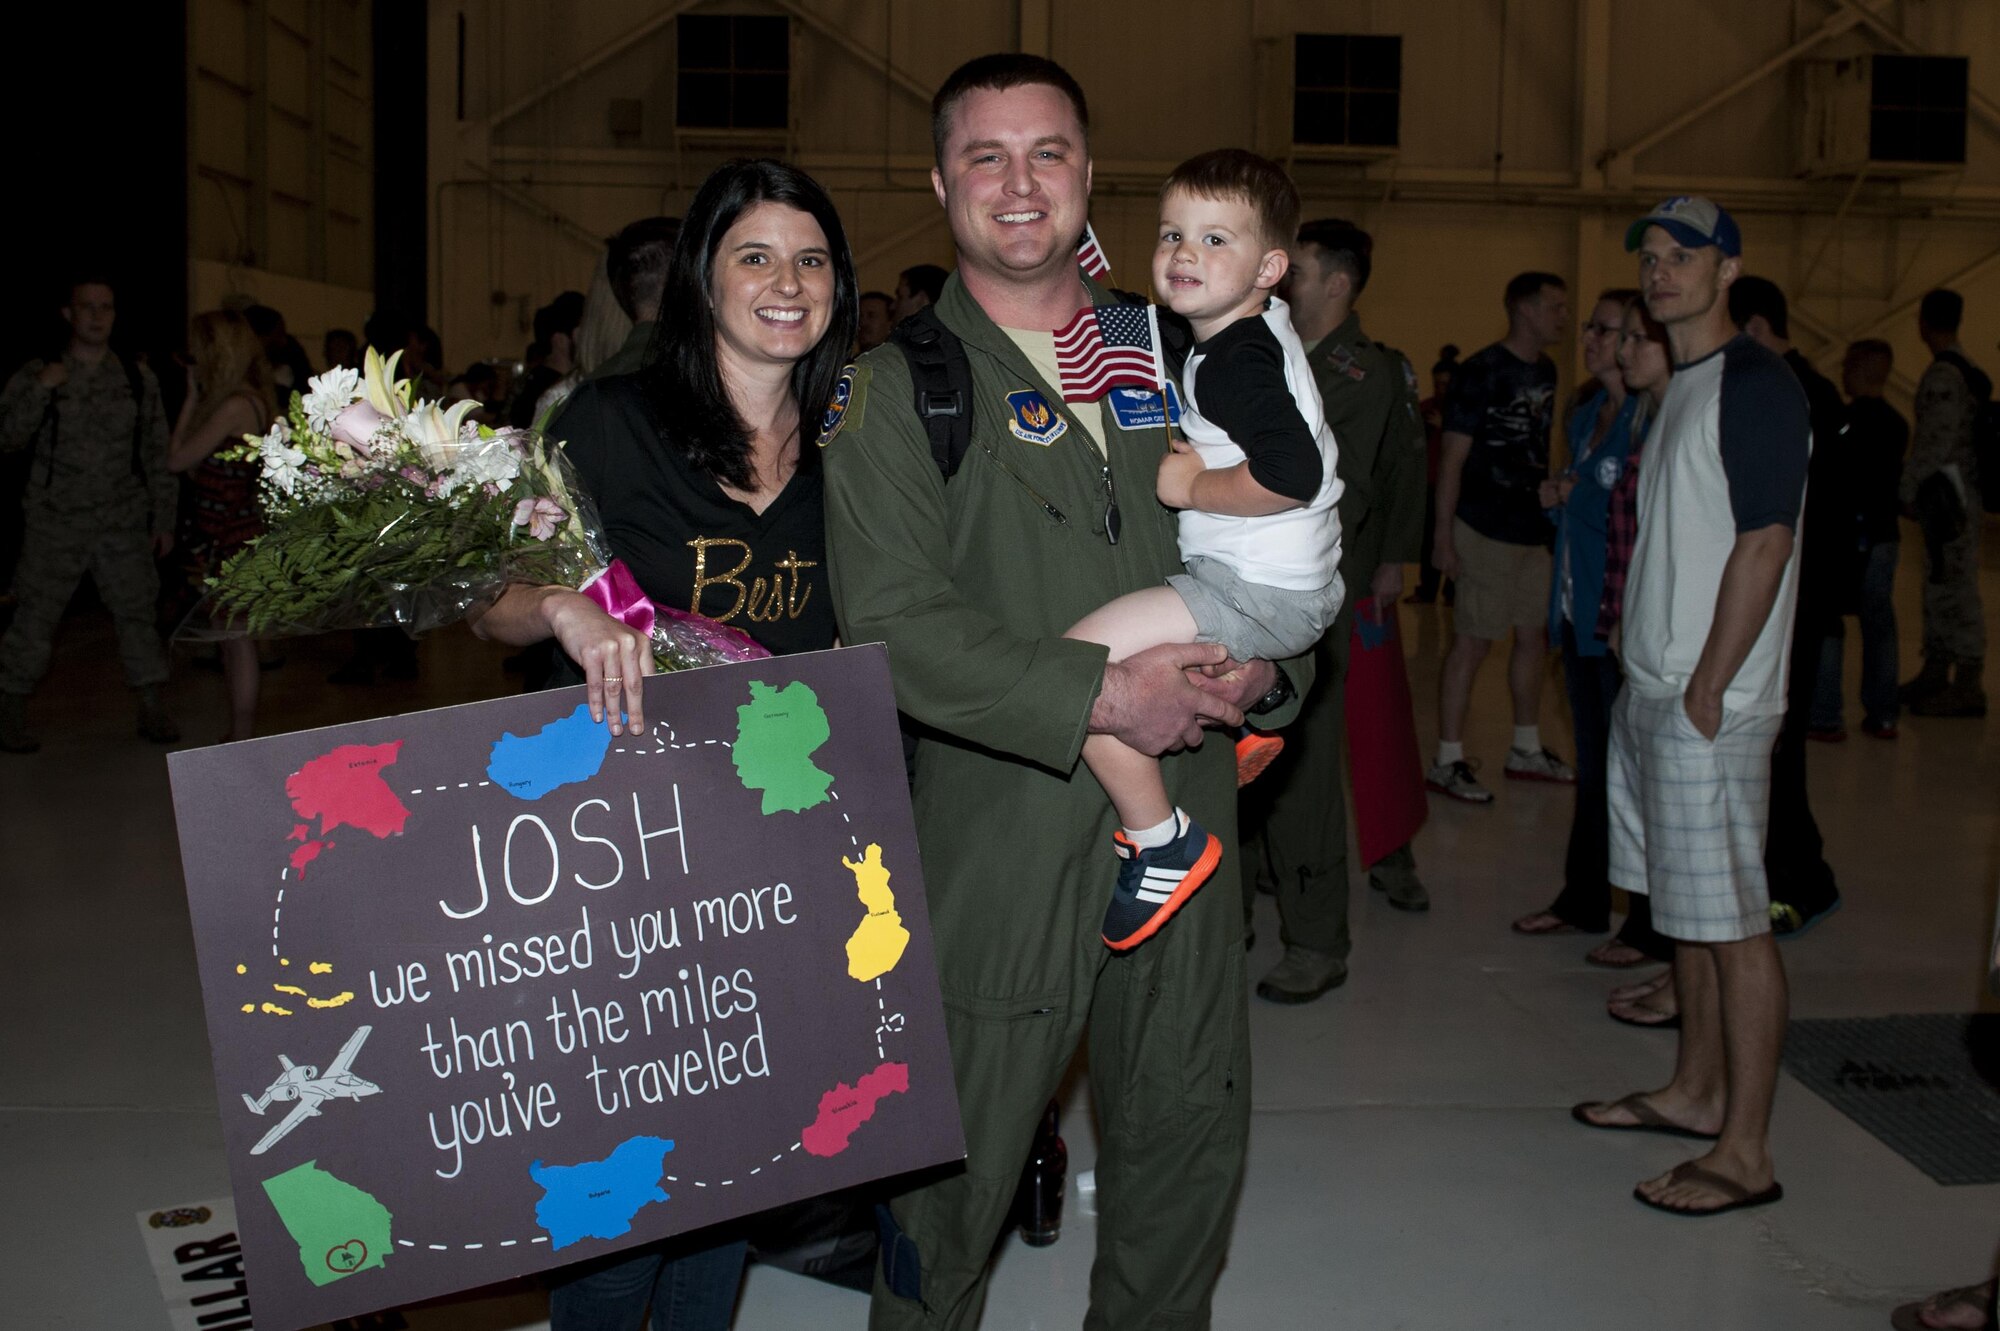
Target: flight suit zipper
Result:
[[1054, 513]]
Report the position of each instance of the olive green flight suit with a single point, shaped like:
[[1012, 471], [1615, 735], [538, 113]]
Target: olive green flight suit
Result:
[[1295, 815], [971, 584]]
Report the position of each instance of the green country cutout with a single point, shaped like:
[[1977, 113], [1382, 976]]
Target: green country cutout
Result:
[[339, 1228], [777, 732]]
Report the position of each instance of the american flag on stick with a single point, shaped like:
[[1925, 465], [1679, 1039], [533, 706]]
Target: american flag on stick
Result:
[[1106, 346], [1090, 256]]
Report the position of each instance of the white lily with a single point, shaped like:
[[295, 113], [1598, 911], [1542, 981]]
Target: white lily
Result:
[[434, 431], [380, 387]]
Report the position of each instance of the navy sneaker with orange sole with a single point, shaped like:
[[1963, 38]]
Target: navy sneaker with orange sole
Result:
[[1156, 881]]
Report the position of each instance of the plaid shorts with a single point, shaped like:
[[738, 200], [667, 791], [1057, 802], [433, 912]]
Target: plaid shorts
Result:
[[1688, 817]]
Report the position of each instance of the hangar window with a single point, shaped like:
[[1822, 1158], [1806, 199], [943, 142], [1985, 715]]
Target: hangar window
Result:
[[1346, 90], [735, 72]]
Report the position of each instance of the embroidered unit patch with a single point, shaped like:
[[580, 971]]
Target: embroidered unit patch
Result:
[[1030, 417]]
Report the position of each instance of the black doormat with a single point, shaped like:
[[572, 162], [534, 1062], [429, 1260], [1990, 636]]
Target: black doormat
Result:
[[1927, 1087]]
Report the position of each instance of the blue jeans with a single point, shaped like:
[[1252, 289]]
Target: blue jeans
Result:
[[1878, 649], [688, 1291]]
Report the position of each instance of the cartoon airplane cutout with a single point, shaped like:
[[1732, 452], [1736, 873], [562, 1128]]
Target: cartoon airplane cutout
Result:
[[305, 1085]]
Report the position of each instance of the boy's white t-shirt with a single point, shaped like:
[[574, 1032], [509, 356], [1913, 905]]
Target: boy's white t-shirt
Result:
[[1298, 549]]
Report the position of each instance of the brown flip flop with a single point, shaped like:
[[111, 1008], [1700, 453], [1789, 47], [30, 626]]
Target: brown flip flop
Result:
[[1662, 1021], [1975, 1298], [1561, 926], [1600, 956], [1640, 1108], [1740, 1197]]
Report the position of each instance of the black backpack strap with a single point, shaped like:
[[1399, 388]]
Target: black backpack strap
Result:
[[941, 374]]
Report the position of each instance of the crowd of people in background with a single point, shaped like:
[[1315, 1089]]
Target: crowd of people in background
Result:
[[686, 403]]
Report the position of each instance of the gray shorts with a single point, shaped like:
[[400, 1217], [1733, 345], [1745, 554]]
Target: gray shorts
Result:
[[1254, 621], [1688, 817]]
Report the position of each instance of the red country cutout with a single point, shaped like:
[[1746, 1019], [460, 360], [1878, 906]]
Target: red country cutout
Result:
[[845, 1108], [305, 855], [345, 788]]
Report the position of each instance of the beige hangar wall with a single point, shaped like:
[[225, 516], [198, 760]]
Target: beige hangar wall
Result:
[[1530, 134]]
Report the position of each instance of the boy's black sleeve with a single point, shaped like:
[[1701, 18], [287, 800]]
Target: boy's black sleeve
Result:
[[1243, 390]]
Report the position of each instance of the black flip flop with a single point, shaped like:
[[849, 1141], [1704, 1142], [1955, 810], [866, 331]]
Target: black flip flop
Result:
[[1649, 1118], [1740, 1197]]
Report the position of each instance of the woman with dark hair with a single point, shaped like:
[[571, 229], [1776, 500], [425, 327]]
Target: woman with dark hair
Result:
[[709, 491], [1604, 431]]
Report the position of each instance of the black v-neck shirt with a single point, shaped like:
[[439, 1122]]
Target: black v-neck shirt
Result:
[[690, 545]]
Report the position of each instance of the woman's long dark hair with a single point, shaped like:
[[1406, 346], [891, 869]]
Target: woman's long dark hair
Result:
[[681, 378]]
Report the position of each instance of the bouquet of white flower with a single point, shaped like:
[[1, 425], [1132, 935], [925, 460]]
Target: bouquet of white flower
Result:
[[384, 510]]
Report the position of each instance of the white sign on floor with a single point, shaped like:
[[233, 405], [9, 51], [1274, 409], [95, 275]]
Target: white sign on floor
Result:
[[199, 1265]]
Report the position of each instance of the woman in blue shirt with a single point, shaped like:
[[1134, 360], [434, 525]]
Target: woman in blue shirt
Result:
[[1601, 434]]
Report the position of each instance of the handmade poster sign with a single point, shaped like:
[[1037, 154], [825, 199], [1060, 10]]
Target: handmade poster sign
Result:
[[490, 991]]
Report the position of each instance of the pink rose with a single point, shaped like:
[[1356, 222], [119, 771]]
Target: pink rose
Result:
[[356, 425], [541, 516]]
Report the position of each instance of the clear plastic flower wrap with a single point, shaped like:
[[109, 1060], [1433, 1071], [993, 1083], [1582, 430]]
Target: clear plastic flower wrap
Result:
[[383, 511]]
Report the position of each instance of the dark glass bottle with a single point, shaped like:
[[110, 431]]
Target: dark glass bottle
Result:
[[1039, 1201]]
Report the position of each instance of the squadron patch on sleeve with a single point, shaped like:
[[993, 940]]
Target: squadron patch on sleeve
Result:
[[850, 396]]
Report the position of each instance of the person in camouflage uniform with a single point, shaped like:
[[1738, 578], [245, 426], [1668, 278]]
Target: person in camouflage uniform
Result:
[[1295, 819], [1949, 397], [99, 499]]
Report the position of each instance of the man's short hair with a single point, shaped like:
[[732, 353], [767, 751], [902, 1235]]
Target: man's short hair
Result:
[[882, 296], [926, 279], [1942, 309], [1619, 296], [1235, 175], [1342, 246], [998, 73], [1872, 358], [636, 263], [97, 277], [1526, 286], [1750, 297]]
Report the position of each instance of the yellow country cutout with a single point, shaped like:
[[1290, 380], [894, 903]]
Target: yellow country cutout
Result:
[[341, 999], [877, 944]]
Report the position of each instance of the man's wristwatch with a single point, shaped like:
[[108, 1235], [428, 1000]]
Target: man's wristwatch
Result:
[[1281, 693]]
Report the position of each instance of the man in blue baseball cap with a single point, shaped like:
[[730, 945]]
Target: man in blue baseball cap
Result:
[[1693, 221], [1707, 625]]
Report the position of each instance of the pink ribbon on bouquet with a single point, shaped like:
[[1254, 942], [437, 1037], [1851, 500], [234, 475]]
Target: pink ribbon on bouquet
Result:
[[617, 592]]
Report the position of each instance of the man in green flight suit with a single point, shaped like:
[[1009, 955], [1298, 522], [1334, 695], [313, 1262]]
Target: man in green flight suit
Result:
[[972, 582], [1295, 816]]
